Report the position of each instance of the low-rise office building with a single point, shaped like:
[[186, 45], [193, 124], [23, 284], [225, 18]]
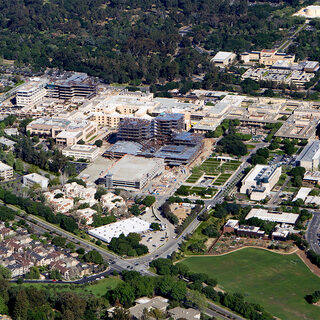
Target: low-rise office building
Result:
[[230, 225], [249, 231], [114, 230], [82, 151], [279, 217], [260, 180], [266, 57], [34, 178], [312, 177], [223, 59], [65, 132], [6, 172]]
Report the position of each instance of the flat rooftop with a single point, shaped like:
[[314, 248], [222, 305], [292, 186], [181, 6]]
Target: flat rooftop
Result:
[[86, 148], [35, 177], [170, 117], [4, 166], [114, 230], [125, 147], [222, 55], [131, 168], [180, 152], [310, 152], [280, 217], [60, 123]]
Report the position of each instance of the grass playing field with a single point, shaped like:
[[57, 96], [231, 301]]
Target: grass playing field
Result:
[[277, 282]]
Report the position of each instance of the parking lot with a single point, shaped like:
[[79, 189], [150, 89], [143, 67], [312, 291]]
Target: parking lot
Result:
[[283, 160], [152, 239], [95, 169]]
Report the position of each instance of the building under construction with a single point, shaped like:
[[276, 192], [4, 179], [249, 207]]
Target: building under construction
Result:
[[133, 129], [168, 123]]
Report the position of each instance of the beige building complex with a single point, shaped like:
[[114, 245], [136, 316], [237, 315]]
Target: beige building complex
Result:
[[65, 132], [266, 57]]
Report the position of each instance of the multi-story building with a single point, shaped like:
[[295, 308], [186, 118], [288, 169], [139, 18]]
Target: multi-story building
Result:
[[6, 172], [65, 132], [309, 158], [134, 129], [166, 124], [260, 180], [31, 94], [34, 178], [133, 172], [266, 57], [75, 190], [78, 85], [82, 151]]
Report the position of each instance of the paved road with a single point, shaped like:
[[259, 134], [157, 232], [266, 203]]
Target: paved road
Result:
[[288, 41], [10, 93], [313, 230], [214, 310]]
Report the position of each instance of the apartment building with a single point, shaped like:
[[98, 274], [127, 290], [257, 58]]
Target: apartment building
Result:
[[6, 172]]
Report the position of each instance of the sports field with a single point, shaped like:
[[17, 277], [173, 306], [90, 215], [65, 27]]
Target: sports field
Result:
[[277, 282]]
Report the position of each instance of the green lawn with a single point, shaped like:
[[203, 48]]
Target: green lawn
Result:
[[99, 289], [278, 282]]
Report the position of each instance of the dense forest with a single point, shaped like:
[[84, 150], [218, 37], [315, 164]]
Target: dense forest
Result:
[[132, 40]]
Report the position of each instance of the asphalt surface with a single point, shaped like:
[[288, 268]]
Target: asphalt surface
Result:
[[214, 310], [313, 231]]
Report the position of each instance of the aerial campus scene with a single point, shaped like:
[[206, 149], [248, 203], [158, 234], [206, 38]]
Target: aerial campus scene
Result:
[[159, 159]]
